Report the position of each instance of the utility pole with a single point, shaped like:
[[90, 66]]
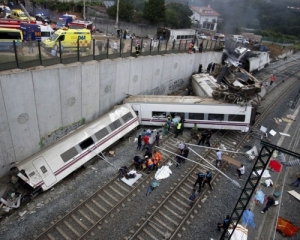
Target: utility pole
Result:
[[117, 17], [84, 10]]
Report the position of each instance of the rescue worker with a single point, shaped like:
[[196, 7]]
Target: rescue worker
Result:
[[199, 180], [194, 131], [123, 171], [272, 79], [138, 161], [185, 153], [137, 49], [156, 159], [148, 152], [149, 164], [226, 223], [191, 45], [207, 179], [178, 129]]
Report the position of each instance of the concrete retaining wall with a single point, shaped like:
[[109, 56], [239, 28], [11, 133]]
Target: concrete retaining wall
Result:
[[38, 107]]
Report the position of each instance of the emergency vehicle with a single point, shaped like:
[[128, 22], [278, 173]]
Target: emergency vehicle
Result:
[[69, 38], [65, 20], [19, 14], [78, 24], [13, 23], [7, 36], [36, 32]]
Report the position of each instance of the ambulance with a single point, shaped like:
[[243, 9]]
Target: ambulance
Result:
[[69, 39]]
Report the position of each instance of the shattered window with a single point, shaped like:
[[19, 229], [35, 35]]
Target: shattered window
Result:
[[43, 169], [159, 114], [86, 143]]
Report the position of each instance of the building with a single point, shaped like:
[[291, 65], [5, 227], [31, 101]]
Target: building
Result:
[[205, 17]]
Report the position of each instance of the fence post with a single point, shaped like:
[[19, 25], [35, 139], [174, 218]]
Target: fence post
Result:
[[78, 56], [16, 53], [120, 46], [158, 47], [185, 44], [107, 48], [141, 47], [60, 51], [131, 47], [151, 46], [166, 49], [179, 45], [94, 49], [173, 45], [40, 54]]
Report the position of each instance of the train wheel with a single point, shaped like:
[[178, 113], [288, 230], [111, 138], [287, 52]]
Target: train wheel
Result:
[[216, 95], [231, 98]]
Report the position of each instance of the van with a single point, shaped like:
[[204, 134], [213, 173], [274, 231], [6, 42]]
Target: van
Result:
[[36, 32], [46, 32], [18, 14], [237, 38], [7, 36], [69, 38]]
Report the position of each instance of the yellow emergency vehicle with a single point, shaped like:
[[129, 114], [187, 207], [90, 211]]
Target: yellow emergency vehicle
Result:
[[19, 14], [69, 39]]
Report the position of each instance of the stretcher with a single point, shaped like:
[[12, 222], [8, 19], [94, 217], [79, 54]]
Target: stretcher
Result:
[[131, 181], [231, 160]]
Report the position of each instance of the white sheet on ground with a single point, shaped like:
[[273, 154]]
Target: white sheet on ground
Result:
[[163, 173], [265, 174], [240, 233], [131, 181], [252, 153], [268, 182]]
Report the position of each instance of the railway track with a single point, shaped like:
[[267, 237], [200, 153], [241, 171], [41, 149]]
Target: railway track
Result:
[[85, 221]]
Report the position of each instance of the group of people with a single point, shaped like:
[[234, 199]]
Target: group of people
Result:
[[193, 47], [150, 160], [144, 137], [182, 154], [204, 138]]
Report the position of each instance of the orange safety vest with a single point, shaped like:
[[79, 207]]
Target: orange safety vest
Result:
[[157, 157], [149, 162]]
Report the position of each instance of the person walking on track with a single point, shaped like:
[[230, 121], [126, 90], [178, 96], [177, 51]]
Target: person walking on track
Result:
[[199, 180], [207, 179]]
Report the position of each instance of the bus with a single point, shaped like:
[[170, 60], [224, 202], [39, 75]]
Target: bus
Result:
[[177, 35], [7, 36]]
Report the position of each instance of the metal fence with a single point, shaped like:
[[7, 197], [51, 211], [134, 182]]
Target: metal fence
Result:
[[24, 55]]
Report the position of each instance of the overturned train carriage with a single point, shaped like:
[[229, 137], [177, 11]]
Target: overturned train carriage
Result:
[[47, 167]]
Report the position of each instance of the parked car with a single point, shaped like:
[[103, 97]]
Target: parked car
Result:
[[43, 18], [202, 36]]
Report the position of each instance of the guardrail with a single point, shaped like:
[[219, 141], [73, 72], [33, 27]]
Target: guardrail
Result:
[[32, 54]]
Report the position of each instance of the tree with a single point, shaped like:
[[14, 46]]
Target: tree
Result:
[[126, 10], [154, 11], [178, 15]]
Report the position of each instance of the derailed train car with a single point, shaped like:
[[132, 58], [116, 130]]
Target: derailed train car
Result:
[[153, 110], [49, 166]]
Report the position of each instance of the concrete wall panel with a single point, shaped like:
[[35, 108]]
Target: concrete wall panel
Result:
[[70, 94], [158, 63], [122, 79], [135, 78], [107, 77], [90, 90], [18, 93], [7, 154], [147, 74], [47, 100]]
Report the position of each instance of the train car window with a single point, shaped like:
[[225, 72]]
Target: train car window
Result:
[[114, 125], [101, 134], [68, 155], [127, 117], [215, 117], [31, 174], [196, 116], [86, 143], [236, 118], [159, 114], [43, 169]]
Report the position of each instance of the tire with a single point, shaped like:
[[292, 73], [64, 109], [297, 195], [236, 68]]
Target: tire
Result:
[[216, 95], [231, 98]]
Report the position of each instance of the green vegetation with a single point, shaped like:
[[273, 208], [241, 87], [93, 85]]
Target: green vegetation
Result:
[[154, 11], [178, 15], [126, 10]]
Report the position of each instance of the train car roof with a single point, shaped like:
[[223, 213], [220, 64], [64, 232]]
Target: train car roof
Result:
[[173, 100]]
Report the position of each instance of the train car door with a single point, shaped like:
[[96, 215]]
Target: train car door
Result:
[[44, 170], [137, 109]]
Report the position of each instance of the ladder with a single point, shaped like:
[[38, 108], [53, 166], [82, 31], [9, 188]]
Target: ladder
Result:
[[25, 11]]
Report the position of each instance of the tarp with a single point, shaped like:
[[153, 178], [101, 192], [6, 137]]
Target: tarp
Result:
[[275, 165], [265, 174], [248, 218], [240, 233], [286, 227], [163, 173]]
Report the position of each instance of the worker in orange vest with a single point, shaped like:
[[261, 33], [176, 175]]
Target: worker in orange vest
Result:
[[191, 45], [150, 164], [272, 79], [156, 158]]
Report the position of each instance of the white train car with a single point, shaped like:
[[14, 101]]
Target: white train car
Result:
[[205, 112], [52, 164]]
